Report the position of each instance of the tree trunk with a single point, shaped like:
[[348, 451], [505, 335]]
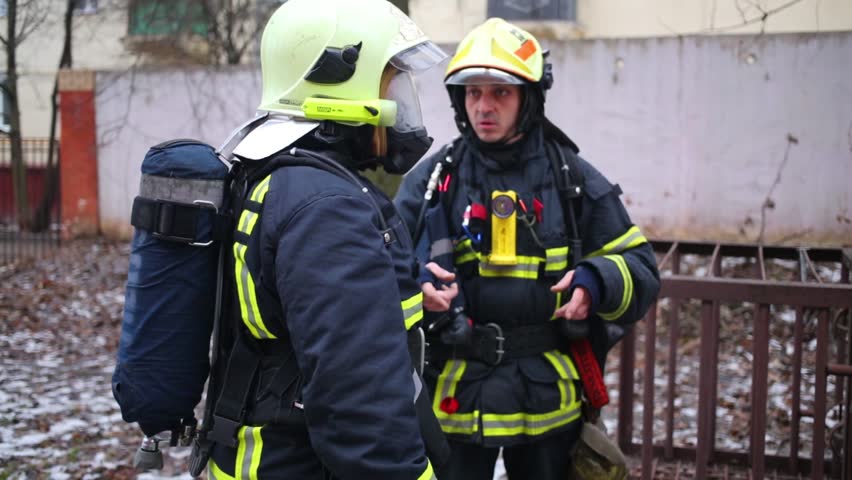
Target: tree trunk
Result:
[[41, 220], [19, 168]]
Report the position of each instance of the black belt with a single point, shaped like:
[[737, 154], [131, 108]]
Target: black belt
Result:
[[492, 344]]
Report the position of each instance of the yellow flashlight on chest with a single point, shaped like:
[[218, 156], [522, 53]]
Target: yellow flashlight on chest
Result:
[[504, 223]]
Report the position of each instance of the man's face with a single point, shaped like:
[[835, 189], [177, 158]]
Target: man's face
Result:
[[493, 111]]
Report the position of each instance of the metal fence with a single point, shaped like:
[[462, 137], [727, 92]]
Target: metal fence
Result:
[[35, 231], [792, 303]]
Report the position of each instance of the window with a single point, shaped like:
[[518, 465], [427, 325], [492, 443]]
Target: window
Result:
[[565, 10], [86, 6], [3, 5], [167, 17]]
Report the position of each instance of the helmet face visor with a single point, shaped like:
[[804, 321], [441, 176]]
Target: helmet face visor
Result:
[[403, 91], [482, 76], [418, 58]]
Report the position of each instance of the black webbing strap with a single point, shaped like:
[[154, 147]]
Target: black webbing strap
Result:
[[178, 222], [491, 344], [229, 412], [570, 185]]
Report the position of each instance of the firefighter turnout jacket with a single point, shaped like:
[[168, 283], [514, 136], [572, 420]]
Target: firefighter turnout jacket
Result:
[[533, 388], [324, 298]]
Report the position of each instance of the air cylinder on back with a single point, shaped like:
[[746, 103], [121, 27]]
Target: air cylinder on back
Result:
[[163, 354]]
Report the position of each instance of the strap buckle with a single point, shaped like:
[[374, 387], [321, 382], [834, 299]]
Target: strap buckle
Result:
[[224, 431]]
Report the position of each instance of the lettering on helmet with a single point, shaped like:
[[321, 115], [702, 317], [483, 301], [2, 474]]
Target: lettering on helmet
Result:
[[517, 34]]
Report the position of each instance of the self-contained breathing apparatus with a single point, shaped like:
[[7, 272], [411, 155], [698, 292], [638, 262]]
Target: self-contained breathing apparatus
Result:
[[190, 237], [595, 456]]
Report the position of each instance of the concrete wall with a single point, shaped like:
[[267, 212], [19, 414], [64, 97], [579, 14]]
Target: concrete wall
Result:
[[447, 21], [696, 130], [138, 109]]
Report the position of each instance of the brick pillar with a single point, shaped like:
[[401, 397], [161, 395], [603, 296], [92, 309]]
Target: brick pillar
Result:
[[78, 161]]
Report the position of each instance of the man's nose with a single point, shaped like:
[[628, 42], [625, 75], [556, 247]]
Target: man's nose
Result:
[[486, 104]]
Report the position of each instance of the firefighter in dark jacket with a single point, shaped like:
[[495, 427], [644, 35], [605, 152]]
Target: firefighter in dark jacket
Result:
[[512, 189], [320, 383]]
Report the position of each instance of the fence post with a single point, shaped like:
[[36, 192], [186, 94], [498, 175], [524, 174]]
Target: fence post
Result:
[[78, 166]]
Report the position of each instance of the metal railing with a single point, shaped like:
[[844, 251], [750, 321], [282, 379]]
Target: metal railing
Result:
[[818, 303], [39, 232]]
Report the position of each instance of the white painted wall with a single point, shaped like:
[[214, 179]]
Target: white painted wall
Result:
[[138, 109], [694, 129], [447, 21]]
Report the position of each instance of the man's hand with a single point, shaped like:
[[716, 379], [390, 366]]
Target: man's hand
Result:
[[435, 300], [581, 301]]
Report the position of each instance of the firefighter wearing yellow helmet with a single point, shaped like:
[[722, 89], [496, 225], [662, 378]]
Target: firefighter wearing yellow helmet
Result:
[[315, 377], [532, 271]]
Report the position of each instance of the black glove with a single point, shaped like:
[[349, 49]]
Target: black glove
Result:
[[574, 329]]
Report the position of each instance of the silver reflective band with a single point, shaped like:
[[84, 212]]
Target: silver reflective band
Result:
[[482, 76], [182, 190]]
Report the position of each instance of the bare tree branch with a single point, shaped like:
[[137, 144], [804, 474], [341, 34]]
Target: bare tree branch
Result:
[[762, 18], [768, 202]]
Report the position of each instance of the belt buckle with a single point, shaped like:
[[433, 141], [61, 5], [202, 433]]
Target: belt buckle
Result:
[[500, 339]]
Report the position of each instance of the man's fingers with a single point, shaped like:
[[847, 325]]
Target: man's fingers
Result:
[[564, 283], [577, 308], [439, 273], [434, 300]]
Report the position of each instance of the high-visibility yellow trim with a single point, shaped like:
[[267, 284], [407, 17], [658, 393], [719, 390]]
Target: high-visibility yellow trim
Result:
[[380, 112], [255, 457], [632, 238], [464, 423], [557, 259], [249, 448], [249, 311], [216, 473], [412, 310], [464, 252], [427, 474], [529, 424], [558, 304], [527, 267], [627, 291], [258, 193], [563, 364]]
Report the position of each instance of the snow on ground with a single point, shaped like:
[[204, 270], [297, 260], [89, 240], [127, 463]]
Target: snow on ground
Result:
[[61, 319]]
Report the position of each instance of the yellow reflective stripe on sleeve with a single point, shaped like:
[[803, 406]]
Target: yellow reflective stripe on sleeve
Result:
[[216, 473], [412, 310], [527, 267], [249, 310], [632, 238], [465, 423], [248, 453], [557, 259], [627, 292], [428, 474]]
